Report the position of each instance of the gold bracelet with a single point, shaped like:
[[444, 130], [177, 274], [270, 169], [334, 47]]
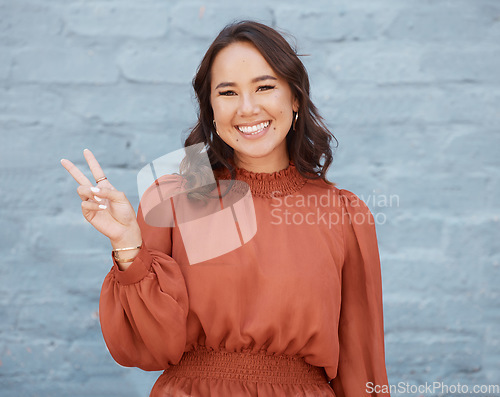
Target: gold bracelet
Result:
[[124, 260], [128, 248]]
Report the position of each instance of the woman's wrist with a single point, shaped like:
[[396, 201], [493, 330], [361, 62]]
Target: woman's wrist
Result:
[[127, 248], [131, 239]]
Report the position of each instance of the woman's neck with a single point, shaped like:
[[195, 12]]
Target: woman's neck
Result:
[[263, 164]]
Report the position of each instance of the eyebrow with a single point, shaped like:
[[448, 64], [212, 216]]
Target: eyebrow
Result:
[[255, 80]]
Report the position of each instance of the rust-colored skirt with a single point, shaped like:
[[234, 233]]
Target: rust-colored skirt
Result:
[[207, 373]]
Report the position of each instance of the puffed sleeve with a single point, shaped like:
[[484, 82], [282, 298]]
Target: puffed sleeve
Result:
[[143, 309], [361, 367]]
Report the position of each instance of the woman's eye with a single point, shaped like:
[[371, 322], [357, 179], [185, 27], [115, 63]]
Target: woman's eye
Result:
[[265, 87], [261, 88], [227, 93]]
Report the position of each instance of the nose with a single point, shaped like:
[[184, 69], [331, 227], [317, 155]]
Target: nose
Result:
[[248, 105]]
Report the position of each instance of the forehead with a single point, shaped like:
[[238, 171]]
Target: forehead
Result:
[[239, 62]]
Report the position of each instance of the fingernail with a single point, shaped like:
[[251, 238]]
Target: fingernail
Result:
[[85, 149], [97, 198], [103, 207], [95, 189]]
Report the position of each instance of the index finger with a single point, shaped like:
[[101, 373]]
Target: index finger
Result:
[[75, 173]]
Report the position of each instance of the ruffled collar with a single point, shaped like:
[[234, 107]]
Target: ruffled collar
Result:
[[264, 184]]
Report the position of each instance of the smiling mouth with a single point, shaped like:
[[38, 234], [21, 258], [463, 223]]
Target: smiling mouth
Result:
[[254, 129]]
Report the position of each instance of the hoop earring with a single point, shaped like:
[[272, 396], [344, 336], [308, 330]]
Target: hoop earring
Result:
[[295, 121], [215, 127]]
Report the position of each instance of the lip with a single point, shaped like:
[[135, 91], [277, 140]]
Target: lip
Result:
[[256, 136]]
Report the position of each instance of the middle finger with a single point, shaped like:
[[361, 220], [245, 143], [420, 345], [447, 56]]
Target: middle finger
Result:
[[94, 166]]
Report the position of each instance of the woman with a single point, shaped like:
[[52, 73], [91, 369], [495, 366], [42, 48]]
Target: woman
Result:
[[294, 311]]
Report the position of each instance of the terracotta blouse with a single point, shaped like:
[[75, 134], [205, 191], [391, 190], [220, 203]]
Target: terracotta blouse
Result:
[[307, 284]]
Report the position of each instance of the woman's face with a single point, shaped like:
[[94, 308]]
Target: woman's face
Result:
[[253, 107]]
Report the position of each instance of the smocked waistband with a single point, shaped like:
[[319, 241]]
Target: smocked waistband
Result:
[[250, 367]]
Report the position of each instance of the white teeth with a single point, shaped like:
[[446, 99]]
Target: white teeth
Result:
[[254, 129]]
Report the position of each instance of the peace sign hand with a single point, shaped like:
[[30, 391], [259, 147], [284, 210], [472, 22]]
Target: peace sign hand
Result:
[[104, 207]]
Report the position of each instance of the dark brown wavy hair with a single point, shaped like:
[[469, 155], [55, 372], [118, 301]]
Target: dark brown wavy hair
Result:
[[308, 144]]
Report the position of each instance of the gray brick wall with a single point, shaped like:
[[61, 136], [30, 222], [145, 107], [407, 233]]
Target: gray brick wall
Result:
[[410, 89]]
